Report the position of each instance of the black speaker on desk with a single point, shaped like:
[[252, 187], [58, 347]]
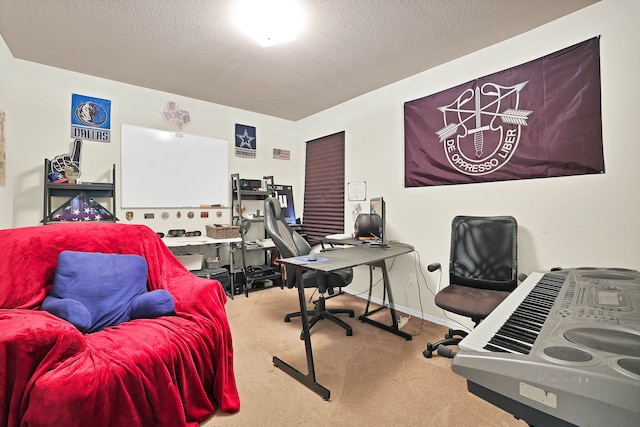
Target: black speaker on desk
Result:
[[367, 225]]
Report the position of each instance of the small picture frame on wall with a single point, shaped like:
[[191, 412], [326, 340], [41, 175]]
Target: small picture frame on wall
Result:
[[357, 190]]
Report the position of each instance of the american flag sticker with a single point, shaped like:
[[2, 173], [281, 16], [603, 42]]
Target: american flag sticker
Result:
[[281, 154]]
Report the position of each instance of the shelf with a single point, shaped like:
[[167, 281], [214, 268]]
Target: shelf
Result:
[[254, 194], [80, 195], [272, 276], [258, 283], [100, 188], [238, 195], [253, 219], [260, 248]]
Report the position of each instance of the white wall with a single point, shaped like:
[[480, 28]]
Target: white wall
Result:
[[6, 77], [572, 221], [41, 128]]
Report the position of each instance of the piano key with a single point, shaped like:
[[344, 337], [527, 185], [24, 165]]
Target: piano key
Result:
[[524, 334], [523, 312], [510, 344], [495, 349]]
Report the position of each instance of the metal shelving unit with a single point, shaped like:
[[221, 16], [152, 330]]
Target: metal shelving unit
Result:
[[94, 190], [239, 192]]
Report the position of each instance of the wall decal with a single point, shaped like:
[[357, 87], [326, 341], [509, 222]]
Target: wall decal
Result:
[[175, 116], [281, 154]]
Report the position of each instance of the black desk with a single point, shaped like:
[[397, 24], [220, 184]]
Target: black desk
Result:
[[373, 256]]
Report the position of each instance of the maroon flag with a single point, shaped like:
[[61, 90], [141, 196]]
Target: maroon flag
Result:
[[539, 119]]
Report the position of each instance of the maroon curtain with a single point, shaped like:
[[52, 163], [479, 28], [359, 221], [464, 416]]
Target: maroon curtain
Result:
[[324, 187], [539, 119]]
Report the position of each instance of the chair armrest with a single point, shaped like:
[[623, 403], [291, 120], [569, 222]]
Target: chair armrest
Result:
[[194, 294], [32, 342], [433, 267], [38, 334]]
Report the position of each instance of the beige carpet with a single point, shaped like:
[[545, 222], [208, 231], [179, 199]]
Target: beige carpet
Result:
[[376, 378]]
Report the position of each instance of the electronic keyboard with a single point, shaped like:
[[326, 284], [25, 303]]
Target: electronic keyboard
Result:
[[563, 349]]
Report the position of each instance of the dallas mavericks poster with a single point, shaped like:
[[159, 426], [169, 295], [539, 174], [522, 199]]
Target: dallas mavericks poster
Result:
[[90, 118]]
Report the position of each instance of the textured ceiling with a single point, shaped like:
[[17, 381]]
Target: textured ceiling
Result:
[[193, 48]]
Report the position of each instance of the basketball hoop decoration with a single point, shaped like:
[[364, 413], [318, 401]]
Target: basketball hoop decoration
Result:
[[68, 165]]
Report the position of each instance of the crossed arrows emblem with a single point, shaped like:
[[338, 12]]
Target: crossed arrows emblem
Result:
[[509, 116]]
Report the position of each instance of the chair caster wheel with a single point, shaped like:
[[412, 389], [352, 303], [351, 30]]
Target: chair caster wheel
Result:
[[352, 315], [286, 319], [349, 333], [428, 352]]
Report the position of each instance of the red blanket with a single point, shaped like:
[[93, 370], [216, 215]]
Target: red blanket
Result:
[[169, 371]]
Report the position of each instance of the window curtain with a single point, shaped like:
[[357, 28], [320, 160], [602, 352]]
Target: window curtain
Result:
[[324, 187]]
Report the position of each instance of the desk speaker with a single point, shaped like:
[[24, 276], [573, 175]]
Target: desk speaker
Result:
[[367, 225]]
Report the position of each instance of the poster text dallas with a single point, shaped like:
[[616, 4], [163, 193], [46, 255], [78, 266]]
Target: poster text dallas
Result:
[[90, 134]]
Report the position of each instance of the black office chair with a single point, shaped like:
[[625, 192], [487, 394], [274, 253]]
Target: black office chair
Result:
[[291, 244], [482, 272]]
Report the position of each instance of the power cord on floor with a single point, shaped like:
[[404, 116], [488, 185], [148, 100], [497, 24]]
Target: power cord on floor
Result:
[[420, 274]]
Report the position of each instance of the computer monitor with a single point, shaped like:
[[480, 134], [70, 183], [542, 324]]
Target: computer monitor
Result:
[[377, 219]]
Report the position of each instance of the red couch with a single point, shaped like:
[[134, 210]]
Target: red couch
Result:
[[168, 371]]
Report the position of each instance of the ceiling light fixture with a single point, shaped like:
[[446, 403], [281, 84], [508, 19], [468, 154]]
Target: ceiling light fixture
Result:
[[270, 22]]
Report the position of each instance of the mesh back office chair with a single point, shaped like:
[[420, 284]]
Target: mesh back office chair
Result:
[[482, 272], [291, 244]]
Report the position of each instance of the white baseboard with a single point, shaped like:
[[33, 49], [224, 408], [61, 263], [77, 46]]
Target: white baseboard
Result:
[[437, 320]]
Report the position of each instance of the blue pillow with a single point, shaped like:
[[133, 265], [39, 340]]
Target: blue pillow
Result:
[[69, 310], [152, 304], [106, 285]]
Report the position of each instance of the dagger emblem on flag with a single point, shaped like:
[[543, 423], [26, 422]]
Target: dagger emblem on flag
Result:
[[509, 116]]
